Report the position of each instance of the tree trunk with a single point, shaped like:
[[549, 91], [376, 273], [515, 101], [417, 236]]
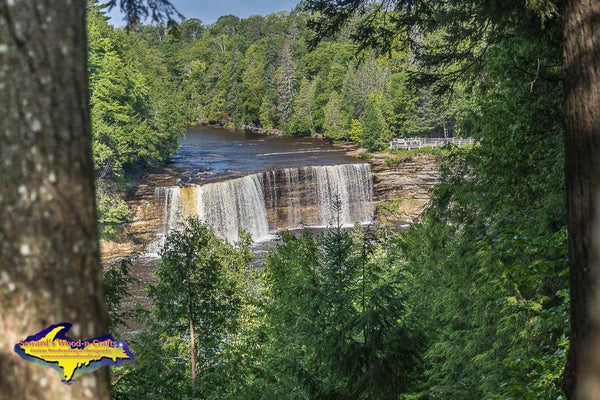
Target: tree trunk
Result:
[[581, 62], [193, 339], [49, 259]]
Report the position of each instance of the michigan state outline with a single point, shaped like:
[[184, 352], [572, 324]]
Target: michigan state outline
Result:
[[72, 357]]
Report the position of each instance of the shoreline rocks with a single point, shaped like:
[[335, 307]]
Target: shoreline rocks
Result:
[[401, 190]]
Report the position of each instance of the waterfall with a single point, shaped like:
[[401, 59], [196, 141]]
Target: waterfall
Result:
[[233, 205], [267, 202]]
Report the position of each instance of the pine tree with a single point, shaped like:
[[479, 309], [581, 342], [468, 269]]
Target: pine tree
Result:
[[334, 119], [302, 122], [356, 131], [195, 290], [374, 128], [266, 113], [285, 76], [336, 319]]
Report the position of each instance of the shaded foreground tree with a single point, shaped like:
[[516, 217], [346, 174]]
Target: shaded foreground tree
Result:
[[581, 63], [49, 255], [202, 302], [336, 320]]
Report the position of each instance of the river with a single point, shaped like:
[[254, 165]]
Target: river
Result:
[[262, 184], [211, 154], [236, 180]]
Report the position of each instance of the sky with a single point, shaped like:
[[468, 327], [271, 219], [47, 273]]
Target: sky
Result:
[[209, 10]]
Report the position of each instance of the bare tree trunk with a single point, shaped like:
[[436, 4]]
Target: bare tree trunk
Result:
[[192, 337], [49, 258], [581, 62]]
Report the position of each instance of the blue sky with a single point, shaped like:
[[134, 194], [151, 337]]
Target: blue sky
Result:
[[209, 10]]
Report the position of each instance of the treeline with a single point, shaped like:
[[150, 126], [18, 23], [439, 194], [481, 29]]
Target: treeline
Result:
[[148, 82], [136, 112], [260, 72]]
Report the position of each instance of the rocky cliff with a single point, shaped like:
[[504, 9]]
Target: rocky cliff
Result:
[[403, 187], [401, 190]]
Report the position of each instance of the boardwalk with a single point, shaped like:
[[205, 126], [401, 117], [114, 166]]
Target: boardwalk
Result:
[[417, 143]]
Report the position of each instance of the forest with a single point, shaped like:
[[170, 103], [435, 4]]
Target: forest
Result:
[[254, 73], [471, 301]]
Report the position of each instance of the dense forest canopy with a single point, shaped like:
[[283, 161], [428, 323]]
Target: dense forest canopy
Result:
[[475, 294], [255, 73]]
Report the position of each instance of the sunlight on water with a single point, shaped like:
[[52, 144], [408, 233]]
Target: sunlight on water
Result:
[[265, 203]]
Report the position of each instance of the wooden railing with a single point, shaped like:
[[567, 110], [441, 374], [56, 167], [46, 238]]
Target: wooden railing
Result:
[[417, 143]]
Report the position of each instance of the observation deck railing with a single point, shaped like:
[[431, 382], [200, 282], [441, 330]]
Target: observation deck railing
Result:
[[418, 143]]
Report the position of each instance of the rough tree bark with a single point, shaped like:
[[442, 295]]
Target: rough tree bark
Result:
[[193, 349], [49, 258], [581, 62]]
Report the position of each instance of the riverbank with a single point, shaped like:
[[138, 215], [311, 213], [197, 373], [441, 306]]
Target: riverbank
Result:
[[402, 184]]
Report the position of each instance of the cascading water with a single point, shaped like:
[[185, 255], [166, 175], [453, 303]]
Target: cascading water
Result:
[[230, 206], [271, 201]]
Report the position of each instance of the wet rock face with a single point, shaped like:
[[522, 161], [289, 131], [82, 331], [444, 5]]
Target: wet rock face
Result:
[[267, 202], [407, 183], [292, 198], [145, 219], [296, 197]]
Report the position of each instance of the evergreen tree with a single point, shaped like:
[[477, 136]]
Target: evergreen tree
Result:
[[194, 290], [191, 29], [136, 113], [334, 118], [492, 244], [253, 86], [356, 131], [285, 76], [266, 113], [302, 122], [371, 75], [202, 319], [336, 319], [374, 129]]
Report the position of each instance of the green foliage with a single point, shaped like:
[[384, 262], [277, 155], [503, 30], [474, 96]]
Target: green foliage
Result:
[[334, 124], [202, 279], [117, 283], [401, 102], [375, 133], [128, 114], [336, 319], [365, 155], [135, 110], [470, 302], [356, 131], [285, 76], [159, 371], [112, 210], [302, 122], [492, 246], [260, 71], [195, 282], [488, 260], [400, 155], [266, 114]]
